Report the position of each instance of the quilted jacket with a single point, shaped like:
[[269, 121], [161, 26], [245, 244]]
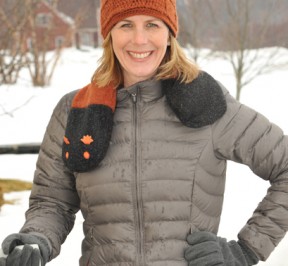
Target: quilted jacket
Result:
[[159, 181]]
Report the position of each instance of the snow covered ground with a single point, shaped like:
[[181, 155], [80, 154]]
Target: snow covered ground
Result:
[[268, 94]]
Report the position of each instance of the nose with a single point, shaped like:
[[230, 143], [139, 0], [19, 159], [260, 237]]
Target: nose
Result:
[[140, 36]]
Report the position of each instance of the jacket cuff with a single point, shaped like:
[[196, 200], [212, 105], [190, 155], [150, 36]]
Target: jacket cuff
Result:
[[250, 256], [261, 244], [46, 242]]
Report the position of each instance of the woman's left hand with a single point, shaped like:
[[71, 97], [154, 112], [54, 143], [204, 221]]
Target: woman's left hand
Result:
[[206, 249]]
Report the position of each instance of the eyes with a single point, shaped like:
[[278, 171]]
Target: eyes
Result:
[[130, 25]]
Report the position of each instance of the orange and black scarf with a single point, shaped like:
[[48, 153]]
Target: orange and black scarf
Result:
[[90, 121]]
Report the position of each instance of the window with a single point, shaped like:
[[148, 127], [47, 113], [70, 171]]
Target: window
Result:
[[86, 38], [43, 19], [59, 41]]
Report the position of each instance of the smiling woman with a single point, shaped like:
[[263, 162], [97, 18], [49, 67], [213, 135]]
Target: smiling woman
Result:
[[140, 44], [144, 44]]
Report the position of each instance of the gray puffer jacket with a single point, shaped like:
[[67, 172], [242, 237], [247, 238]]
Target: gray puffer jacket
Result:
[[159, 181]]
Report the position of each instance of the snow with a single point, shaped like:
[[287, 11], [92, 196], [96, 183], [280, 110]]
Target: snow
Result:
[[267, 94]]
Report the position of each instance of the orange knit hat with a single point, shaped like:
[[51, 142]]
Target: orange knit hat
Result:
[[113, 11]]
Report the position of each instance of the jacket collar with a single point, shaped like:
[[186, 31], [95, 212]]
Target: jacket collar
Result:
[[148, 91]]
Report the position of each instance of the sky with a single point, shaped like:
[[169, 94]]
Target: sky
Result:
[[25, 112]]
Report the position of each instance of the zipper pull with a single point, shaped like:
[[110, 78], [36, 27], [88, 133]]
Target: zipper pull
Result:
[[134, 97]]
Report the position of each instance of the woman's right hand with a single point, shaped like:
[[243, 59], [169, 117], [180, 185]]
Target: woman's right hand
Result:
[[26, 255], [25, 250]]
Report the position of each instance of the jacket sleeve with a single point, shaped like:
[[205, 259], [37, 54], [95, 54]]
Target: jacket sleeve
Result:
[[247, 137], [53, 201]]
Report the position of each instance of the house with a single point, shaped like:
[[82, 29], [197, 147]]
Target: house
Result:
[[34, 23], [51, 28], [86, 14]]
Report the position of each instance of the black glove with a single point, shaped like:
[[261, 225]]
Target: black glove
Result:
[[2, 262], [28, 256], [206, 249]]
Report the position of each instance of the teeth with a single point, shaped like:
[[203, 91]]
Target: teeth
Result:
[[140, 56]]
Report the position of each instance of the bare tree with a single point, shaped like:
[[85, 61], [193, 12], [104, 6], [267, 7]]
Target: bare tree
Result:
[[40, 62], [23, 42], [242, 38], [190, 30], [13, 18], [11, 111], [193, 31]]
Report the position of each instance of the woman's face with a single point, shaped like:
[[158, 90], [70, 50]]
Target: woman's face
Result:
[[140, 43]]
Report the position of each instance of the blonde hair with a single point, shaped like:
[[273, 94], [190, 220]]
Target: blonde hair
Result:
[[175, 64]]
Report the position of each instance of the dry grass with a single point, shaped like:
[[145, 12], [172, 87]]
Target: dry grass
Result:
[[12, 185]]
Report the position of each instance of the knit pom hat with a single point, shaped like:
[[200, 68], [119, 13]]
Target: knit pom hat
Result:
[[113, 11]]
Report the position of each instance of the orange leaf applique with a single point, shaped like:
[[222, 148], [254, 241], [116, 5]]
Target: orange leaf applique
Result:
[[66, 140], [87, 140]]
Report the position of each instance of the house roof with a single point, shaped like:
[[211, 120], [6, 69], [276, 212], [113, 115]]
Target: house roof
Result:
[[85, 11], [64, 17]]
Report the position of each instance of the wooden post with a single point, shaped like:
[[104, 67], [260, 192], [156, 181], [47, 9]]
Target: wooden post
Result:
[[30, 148]]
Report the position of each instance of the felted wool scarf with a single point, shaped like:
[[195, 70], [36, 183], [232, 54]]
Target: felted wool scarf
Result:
[[90, 120], [89, 127]]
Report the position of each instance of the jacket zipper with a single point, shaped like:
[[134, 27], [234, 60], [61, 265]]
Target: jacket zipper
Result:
[[138, 202]]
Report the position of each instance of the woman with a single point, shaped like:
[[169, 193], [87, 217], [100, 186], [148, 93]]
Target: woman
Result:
[[144, 157]]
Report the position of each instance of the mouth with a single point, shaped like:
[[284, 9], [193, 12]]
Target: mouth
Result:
[[139, 55]]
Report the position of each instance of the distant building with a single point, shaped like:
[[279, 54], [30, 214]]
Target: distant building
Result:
[[86, 14], [52, 28], [36, 24]]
